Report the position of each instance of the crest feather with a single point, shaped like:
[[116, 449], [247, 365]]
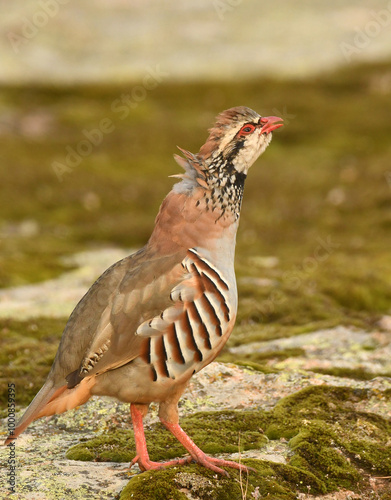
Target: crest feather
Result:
[[192, 164]]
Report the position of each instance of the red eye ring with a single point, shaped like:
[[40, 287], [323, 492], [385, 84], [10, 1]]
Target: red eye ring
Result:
[[248, 128]]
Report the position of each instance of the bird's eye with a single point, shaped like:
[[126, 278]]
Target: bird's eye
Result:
[[247, 129]]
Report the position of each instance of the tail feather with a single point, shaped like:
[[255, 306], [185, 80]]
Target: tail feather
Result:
[[67, 399], [44, 395], [51, 400]]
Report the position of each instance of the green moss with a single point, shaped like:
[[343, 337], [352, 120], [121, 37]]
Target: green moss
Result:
[[82, 453], [326, 433], [267, 479], [258, 360], [331, 443], [27, 350], [26, 260], [156, 486], [228, 358], [315, 448], [118, 447], [354, 373]]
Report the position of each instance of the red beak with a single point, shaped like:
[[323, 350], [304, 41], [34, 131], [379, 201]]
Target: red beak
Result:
[[270, 123]]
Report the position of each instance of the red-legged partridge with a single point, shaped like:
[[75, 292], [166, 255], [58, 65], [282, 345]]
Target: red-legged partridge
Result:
[[157, 317]]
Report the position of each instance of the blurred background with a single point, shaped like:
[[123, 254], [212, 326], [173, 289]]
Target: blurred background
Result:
[[95, 97]]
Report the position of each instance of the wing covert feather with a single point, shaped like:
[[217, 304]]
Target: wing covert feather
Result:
[[100, 333]]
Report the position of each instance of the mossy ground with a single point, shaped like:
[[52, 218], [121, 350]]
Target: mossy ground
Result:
[[268, 480], [27, 350], [332, 446], [356, 373]]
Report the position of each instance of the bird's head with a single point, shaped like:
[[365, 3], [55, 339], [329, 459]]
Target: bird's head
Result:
[[238, 138]]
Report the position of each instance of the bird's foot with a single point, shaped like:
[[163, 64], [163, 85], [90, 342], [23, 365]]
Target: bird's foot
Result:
[[198, 455], [146, 464], [215, 464], [211, 463]]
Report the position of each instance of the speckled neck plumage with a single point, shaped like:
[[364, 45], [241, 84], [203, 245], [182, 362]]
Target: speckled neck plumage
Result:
[[226, 187]]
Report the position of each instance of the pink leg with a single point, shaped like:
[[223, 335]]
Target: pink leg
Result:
[[198, 455], [142, 457]]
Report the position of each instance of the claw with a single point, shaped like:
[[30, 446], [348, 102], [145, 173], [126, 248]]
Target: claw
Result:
[[214, 464], [227, 463], [146, 464]]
